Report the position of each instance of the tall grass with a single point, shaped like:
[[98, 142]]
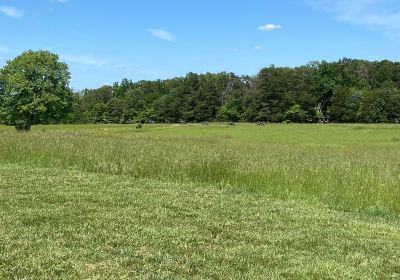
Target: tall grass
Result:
[[352, 167]]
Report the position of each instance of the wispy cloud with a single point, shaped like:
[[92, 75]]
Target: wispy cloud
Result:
[[383, 15], [258, 48], [162, 34], [134, 70], [4, 49], [99, 63], [11, 12], [86, 60], [270, 27]]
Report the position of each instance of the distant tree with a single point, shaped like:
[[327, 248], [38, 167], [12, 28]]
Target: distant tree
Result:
[[345, 105], [228, 114], [372, 108], [35, 89], [77, 114], [233, 108], [166, 108], [380, 105], [296, 114], [115, 109], [393, 104], [347, 90]]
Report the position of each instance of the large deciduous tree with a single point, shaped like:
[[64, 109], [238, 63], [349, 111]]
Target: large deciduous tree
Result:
[[34, 89]]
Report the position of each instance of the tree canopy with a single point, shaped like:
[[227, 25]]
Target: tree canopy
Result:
[[344, 91], [34, 88]]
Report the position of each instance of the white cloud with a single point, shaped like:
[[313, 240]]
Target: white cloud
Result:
[[258, 48], [269, 27], [86, 60], [11, 12], [383, 15], [162, 34]]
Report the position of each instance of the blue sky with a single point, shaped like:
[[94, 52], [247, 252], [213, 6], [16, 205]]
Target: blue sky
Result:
[[104, 41]]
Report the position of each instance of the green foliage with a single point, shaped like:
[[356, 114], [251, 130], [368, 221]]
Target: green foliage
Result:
[[345, 105], [34, 89], [344, 91], [296, 114], [381, 105]]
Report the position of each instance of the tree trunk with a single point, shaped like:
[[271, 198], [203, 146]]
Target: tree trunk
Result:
[[26, 127]]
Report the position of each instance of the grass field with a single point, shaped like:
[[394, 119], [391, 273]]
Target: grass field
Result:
[[200, 202]]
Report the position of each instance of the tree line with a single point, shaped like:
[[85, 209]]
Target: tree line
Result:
[[34, 88], [346, 91]]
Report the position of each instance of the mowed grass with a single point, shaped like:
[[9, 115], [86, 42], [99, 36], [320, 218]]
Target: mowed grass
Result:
[[59, 224], [200, 202]]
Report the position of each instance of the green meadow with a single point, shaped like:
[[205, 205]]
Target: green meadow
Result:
[[200, 202]]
